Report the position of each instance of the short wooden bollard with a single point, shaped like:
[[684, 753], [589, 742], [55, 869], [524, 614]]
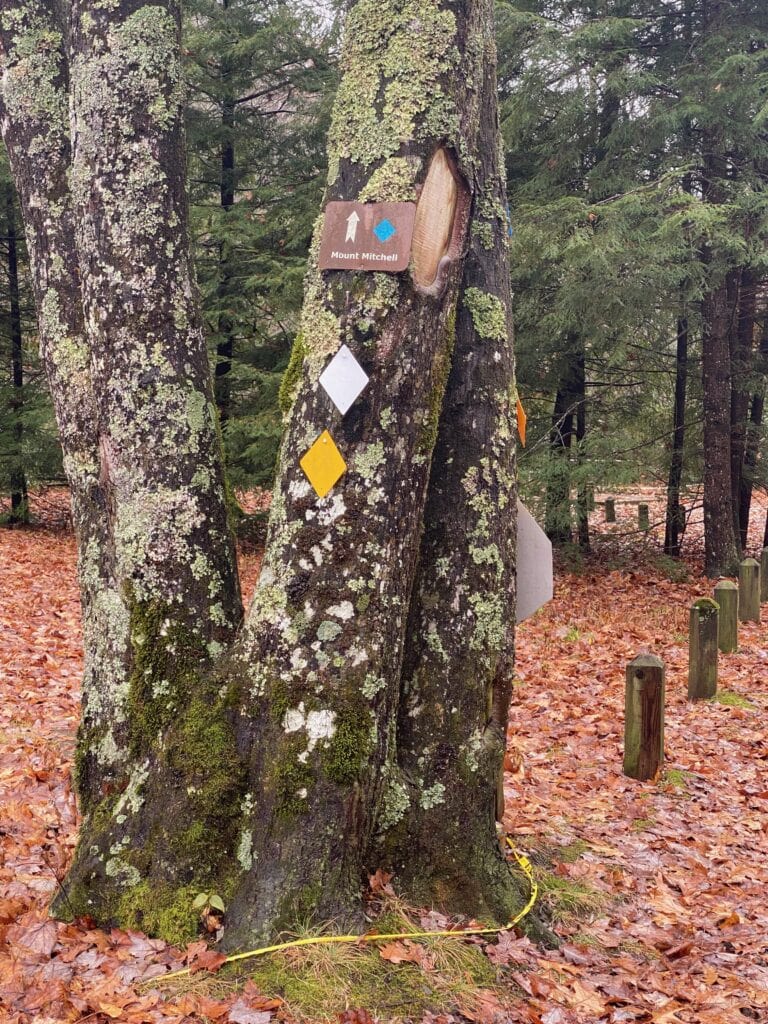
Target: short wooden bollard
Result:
[[644, 717], [702, 649], [749, 590], [610, 510], [727, 597], [643, 518], [764, 575]]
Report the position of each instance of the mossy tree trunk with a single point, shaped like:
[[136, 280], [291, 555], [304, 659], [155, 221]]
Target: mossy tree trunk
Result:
[[445, 794], [35, 128], [277, 743]]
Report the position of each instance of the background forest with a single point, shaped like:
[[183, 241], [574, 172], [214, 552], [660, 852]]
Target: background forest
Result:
[[636, 155]]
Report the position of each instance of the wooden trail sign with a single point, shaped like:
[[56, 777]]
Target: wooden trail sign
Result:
[[367, 236]]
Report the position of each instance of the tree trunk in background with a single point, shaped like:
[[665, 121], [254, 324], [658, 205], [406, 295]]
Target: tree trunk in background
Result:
[[19, 504], [742, 343], [446, 791], [754, 435], [225, 345], [675, 518], [564, 426], [582, 499], [721, 554]]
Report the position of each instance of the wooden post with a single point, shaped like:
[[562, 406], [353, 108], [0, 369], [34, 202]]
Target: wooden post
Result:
[[643, 519], [702, 649], [727, 597], [644, 717], [749, 590], [610, 510], [764, 575]]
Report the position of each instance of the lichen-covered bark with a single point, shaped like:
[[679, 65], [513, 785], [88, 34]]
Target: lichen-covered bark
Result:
[[166, 819], [324, 639], [35, 128], [438, 822]]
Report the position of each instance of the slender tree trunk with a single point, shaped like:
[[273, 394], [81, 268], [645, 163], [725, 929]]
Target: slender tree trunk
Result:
[[568, 399], [754, 435], [19, 502], [721, 553], [446, 791], [741, 370], [582, 500], [225, 344], [675, 518]]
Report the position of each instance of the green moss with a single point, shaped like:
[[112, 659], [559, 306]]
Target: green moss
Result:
[[431, 423], [291, 780], [675, 778], [161, 911], [348, 749], [165, 658], [489, 317], [732, 700], [707, 606], [290, 382]]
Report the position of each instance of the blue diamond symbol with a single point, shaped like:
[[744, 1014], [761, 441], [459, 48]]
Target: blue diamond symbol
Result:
[[384, 231]]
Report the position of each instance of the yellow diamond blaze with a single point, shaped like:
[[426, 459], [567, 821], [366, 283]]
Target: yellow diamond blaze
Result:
[[323, 464]]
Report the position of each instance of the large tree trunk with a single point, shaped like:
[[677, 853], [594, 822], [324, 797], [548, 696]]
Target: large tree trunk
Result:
[[281, 747], [18, 479], [35, 129], [445, 792], [225, 343], [675, 518]]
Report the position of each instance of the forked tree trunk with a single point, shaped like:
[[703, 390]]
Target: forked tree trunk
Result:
[[279, 749]]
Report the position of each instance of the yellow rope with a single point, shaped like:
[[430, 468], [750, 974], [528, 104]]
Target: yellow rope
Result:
[[326, 940]]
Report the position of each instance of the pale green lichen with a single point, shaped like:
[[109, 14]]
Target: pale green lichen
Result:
[[394, 62], [372, 684], [433, 796], [394, 804], [393, 182], [368, 460], [489, 317]]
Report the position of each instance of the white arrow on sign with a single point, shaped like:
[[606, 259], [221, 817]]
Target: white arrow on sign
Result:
[[352, 221]]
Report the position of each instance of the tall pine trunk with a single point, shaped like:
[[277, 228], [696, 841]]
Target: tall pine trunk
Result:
[[742, 334]]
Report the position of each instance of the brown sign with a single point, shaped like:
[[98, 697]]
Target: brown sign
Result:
[[367, 236]]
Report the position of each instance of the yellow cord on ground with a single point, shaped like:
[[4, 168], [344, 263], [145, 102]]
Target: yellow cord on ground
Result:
[[326, 940]]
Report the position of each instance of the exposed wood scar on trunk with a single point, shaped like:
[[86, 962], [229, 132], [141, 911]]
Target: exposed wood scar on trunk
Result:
[[442, 214]]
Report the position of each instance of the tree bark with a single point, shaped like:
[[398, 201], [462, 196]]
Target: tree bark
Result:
[[225, 344], [564, 428], [35, 129], [277, 747], [741, 369], [18, 480], [754, 435], [445, 793], [675, 518]]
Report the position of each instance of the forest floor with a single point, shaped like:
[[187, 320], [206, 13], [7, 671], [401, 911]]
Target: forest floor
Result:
[[658, 888]]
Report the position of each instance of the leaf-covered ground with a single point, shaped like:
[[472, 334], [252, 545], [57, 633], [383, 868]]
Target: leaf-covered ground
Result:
[[659, 888]]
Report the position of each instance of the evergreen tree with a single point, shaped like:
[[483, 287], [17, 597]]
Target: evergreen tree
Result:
[[262, 76]]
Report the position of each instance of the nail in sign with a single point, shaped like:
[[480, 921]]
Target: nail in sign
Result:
[[367, 236]]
